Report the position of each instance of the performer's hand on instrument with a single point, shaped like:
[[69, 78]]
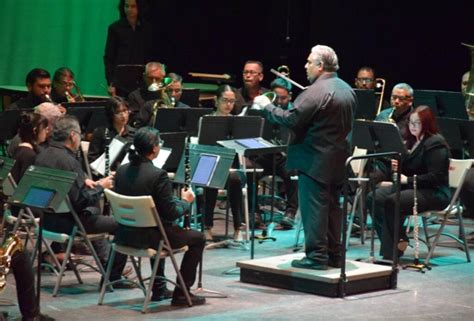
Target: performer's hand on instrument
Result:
[[90, 183], [107, 182], [260, 102], [394, 165], [187, 195], [403, 179]]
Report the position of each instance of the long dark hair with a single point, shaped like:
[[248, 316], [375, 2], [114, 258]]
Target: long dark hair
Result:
[[30, 126], [144, 140], [142, 8]]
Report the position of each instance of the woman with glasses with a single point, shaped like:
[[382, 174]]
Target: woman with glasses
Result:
[[225, 102], [428, 159], [117, 115]]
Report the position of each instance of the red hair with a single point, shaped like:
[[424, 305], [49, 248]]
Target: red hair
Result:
[[428, 124]]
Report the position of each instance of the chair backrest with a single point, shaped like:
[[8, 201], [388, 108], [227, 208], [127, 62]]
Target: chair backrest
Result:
[[133, 211], [457, 171], [359, 164]]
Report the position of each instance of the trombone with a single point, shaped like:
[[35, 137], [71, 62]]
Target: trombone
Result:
[[379, 90]]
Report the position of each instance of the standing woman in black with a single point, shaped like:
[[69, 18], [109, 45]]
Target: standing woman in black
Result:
[[129, 41], [428, 159]]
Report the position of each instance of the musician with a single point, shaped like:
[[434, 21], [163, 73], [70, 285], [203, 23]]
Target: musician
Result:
[[225, 102], [366, 80], [84, 193], [48, 110], [282, 89], [401, 102], [154, 73], [175, 90], [63, 83], [33, 131], [321, 120], [252, 76], [38, 83], [117, 114], [467, 191], [128, 40], [464, 83], [428, 158], [141, 177]]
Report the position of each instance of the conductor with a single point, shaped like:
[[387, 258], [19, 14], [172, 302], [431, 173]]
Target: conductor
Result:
[[322, 121]]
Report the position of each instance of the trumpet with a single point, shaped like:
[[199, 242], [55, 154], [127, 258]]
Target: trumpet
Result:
[[379, 90], [71, 98]]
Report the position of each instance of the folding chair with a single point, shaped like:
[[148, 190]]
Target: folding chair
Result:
[[77, 234], [457, 173], [140, 212]]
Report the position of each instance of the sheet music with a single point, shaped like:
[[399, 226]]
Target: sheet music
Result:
[[115, 148], [159, 161]]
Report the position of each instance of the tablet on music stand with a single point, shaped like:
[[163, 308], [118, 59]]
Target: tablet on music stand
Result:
[[205, 169], [38, 197], [252, 143]]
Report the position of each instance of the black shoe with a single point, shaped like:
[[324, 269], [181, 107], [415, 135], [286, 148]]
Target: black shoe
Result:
[[180, 300], [306, 263], [161, 294], [41, 317], [335, 262]]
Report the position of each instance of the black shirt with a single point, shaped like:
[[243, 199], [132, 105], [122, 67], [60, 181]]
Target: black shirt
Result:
[[24, 157], [99, 140], [28, 102]]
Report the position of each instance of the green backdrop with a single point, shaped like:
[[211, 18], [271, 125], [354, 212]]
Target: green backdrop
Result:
[[52, 34]]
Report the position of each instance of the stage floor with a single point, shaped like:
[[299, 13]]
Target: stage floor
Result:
[[444, 293]]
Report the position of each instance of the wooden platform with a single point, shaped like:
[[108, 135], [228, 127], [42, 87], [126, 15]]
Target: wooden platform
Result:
[[277, 271]]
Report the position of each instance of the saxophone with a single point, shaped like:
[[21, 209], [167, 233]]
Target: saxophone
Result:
[[8, 248]]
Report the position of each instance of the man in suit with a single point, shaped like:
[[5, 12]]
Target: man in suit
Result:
[[322, 121], [141, 177]]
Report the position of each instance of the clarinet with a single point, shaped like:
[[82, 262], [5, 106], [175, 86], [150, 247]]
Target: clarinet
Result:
[[107, 152], [187, 181]]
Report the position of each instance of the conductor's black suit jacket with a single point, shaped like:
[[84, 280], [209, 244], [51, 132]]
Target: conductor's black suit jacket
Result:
[[321, 119]]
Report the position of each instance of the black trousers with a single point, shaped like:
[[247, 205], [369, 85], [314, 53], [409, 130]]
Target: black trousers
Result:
[[467, 193], [321, 215], [291, 186], [384, 216], [25, 284], [235, 197]]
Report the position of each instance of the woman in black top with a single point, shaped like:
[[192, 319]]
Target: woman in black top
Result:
[[117, 114], [33, 131], [428, 159]]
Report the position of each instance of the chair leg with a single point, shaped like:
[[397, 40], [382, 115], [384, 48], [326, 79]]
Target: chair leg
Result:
[[462, 236], [63, 266], [106, 277], [435, 241], [424, 220], [94, 255], [299, 227], [152, 281], [183, 286]]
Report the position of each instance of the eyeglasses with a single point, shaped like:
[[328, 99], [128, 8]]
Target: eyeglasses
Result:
[[227, 101], [365, 80], [402, 98], [121, 112], [67, 83], [415, 123], [250, 72], [172, 90]]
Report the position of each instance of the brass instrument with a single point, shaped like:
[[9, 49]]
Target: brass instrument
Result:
[[284, 76], [164, 100], [272, 96], [379, 90], [8, 248], [48, 98], [284, 70], [71, 98]]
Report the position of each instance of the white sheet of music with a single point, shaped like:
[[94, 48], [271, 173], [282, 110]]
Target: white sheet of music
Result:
[[158, 161], [115, 148]]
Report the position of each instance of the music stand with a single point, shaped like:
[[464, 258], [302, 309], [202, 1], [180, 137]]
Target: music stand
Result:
[[426, 97], [205, 175], [366, 108], [271, 132], [190, 96], [248, 148], [175, 141], [467, 134], [46, 190], [6, 165], [90, 117], [451, 104], [451, 130], [127, 78], [9, 122], [179, 119]]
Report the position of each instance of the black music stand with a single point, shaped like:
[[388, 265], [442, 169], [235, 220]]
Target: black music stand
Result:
[[366, 107], [451, 130], [274, 133], [426, 97], [379, 138], [215, 128], [451, 104], [46, 190], [249, 148], [127, 78], [205, 176], [179, 119], [467, 134], [175, 141], [90, 117], [190, 96]]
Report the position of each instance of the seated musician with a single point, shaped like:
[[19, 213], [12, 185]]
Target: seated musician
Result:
[[366, 80], [175, 90], [252, 76], [63, 84], [225, 101], [141, 177], [84, 193], [38, 83], [154, 73], [428, 159], [117, 115]]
